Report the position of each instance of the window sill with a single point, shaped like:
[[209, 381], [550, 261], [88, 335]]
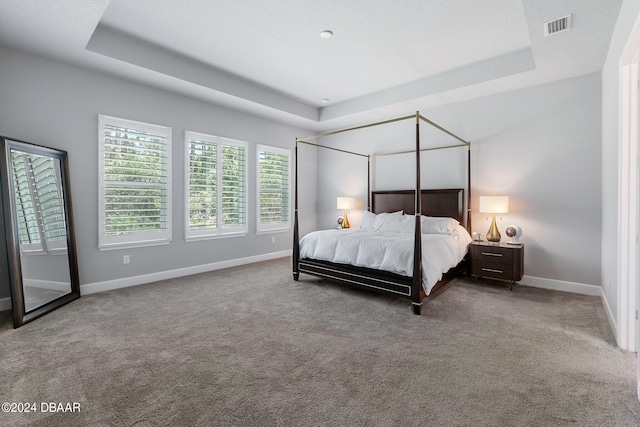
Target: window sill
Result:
[[215, 236], [129, 245]]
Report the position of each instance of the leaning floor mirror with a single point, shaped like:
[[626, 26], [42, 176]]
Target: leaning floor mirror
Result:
[[38, 219]]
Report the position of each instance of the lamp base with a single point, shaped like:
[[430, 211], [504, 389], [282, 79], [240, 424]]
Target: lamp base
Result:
[[493, 235], [345, 221]]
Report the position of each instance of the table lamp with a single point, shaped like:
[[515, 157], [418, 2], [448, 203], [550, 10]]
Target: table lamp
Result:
[[345, 203], [494, 205]]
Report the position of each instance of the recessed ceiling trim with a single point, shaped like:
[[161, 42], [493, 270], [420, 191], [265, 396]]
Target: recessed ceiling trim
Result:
[[482, 71], [124, 47], [132, 50]]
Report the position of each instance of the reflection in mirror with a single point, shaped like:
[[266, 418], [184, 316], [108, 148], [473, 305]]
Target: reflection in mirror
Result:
[[39, 229]]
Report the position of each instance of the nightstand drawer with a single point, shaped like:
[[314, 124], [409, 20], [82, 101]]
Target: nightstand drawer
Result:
[[492, 269], [492, 254]]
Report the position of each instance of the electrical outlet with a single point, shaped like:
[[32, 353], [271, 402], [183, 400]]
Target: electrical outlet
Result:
[[273, 239], [125, 259]]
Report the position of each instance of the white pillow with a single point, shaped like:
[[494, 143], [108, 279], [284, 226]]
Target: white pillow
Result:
[[368, 221], [395, 222], [438, 225]]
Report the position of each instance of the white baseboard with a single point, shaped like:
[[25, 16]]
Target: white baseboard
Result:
[[92, 288], [607, 309], [5, 304], [561, 285]]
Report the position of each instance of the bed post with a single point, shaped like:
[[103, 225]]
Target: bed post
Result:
[[296, 238], [416, 286], [369, 182], [469, 187]]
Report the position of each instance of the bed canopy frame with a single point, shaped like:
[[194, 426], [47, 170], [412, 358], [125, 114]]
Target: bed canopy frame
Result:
[[416, 292]]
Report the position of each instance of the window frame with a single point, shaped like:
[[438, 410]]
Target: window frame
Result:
[[281, 226], [136, 240], [218, 232]]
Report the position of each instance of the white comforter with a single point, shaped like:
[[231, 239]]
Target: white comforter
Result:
[[389, 251]]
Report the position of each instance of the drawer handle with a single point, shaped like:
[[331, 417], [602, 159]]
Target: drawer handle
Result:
[[492, 270], [491, 254]]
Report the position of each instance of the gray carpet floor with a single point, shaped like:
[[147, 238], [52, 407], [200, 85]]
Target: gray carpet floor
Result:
[[248, 346]]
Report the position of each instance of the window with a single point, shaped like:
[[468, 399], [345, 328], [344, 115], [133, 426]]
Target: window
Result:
[[216, 185], [135, 190], [274, 179]]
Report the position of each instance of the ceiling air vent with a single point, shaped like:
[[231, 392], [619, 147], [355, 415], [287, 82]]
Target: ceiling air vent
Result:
[[557, 25]]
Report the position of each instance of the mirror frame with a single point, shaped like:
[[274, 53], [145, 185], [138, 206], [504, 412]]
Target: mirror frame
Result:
[[20, 315]]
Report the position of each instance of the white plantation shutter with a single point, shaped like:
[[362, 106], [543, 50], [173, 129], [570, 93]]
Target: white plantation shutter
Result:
[[202, 179], [216, 182], [274, 183], [233, 185], [135, 174]]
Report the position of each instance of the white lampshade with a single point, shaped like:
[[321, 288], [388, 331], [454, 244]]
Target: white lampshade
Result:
[[346, 203], [494, 204]]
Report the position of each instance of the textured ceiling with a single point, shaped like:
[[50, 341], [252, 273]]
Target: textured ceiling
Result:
[[387, 57]]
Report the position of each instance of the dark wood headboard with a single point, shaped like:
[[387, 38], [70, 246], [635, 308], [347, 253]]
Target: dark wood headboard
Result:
[[448, 202]]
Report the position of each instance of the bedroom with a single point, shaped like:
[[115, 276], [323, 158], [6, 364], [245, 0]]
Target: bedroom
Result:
[[551, 147]]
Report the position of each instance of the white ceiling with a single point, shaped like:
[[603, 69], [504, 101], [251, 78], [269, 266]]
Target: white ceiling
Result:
[[386, 58]]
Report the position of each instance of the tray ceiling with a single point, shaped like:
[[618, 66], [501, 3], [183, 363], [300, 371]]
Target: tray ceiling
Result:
[[385, 58]]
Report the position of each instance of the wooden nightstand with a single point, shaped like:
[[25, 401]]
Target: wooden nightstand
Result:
[[498, 261]]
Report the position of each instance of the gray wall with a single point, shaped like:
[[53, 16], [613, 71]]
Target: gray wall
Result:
[[540, 146], [57, 105]]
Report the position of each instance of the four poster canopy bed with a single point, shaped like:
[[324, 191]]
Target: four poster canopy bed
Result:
[[410, 242]]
